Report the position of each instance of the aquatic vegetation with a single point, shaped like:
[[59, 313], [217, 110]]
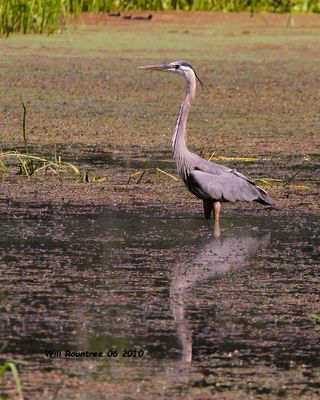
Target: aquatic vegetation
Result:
[[292, 177], [10, 366], [316, 317], [30, 164], [151, 171]]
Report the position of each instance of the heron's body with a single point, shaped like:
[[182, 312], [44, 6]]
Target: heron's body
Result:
[[211, 182]]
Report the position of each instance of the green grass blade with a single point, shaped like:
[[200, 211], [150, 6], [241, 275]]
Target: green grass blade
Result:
[[315, 316], [73, 168], [167, 174], [23, 164], [16, 378]]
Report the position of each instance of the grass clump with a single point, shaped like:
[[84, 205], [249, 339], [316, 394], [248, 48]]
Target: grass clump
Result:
[[30, 164]]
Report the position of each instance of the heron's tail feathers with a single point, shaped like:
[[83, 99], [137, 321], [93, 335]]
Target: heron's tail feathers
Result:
[[263, 197]]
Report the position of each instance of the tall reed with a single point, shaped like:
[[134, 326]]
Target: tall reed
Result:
[[38, 16]]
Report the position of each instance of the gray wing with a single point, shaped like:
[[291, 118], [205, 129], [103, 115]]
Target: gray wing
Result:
[[214, 168], [226, 186], [208, 166]]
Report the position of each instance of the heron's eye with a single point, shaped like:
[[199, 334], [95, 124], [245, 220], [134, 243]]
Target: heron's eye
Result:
[[177, 66]]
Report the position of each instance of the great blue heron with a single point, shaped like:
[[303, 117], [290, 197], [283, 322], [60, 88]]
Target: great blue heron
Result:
[[211, 182]]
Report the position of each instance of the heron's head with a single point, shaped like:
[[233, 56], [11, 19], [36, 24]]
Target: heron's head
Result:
[[179, 67]]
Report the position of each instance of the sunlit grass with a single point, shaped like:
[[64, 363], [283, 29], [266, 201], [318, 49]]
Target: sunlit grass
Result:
[[38, 16], [29, 165]]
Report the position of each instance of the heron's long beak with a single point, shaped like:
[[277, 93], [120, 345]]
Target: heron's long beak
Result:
[[156, 67]]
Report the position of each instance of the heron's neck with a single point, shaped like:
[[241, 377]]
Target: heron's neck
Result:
[[179, 143]]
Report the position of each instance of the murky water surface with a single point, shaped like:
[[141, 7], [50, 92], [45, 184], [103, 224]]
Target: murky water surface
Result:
[[203, 311]]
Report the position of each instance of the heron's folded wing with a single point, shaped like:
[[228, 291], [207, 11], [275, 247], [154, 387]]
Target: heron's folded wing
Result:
[[217, 169], [209, 167], [227, 186]]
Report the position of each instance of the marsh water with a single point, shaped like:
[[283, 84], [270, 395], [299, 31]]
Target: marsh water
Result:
[[197, 310]]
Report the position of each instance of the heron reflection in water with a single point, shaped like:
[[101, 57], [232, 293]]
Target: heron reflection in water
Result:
[[217, 257], [213, 183]]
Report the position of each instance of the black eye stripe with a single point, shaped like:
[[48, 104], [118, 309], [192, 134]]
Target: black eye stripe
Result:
[[177, 66]]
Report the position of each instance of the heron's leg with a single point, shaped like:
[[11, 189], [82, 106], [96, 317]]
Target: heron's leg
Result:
[[216, 210], [216, 229]]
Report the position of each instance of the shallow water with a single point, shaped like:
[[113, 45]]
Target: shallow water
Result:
[[230, 306]]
